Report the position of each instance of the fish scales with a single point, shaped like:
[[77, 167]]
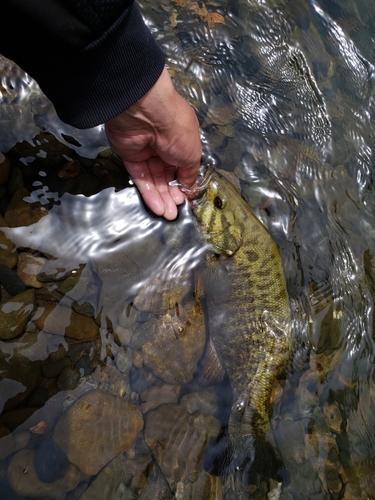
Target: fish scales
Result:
[[250, 326]]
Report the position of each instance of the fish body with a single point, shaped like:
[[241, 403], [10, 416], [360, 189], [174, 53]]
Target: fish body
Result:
[[248, 315]]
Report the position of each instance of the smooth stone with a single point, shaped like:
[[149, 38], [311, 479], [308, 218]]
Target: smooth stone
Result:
[[106, 482], [158, 394], [21, 213], [124, 360], [8, 254], [113, 381], [175, 344], [15, 313], [122, 335], [53, 370], [50, 462], [11, 281], [4, 168], [114, 422], [86, 309], [175, 442], [68, 379], [28, 269], [61, 320], [205, 402], [84, 366], [24, 479]]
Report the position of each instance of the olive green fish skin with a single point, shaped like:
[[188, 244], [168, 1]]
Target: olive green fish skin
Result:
[[250, 330]]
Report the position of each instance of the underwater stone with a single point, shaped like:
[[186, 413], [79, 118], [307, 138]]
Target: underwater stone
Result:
[[28, 268], [175, 442], [11, 281], [68, 379], [60, 320], [158, 394], [8, 255], [15, 313], [106, 483], [96, 429], [24, 480], [50, 462]]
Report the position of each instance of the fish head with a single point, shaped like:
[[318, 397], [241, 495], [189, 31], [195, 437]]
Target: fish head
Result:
[[217, 210]]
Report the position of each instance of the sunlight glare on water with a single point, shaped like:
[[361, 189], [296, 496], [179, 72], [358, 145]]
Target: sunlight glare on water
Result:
[[105, 306]]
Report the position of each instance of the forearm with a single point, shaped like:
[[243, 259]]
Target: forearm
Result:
[[89, 75]]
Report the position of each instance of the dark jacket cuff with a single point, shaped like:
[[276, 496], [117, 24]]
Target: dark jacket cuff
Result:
[[106, 77]]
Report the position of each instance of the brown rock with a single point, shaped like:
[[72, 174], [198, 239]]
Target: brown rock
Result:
[[8, 254], [28, 268], [175, 344], [96, 429], [160, 393], [175, 442], [15, 313], [4, 168], [24, 479], [22, 213], [60, 320]]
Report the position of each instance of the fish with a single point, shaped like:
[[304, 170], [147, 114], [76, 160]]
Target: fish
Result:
[[249, 319]]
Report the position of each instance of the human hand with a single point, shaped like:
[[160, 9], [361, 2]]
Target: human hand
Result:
[[158, 138]]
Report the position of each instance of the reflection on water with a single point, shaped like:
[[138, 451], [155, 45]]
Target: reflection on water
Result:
[[101, 327]]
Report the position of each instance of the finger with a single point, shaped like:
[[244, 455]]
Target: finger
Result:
[[140, 173], [161, 174], [175, 192], [187, 175]]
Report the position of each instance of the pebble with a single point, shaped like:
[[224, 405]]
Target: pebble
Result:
[[10, 280], [24, 479], [68, 379], [8, 254], [15, 313], [28, 269], [50, 462], [175, 344], [96, 429], [158, 394], [175, 443], [106, 482], [59, 320], [124, 360]]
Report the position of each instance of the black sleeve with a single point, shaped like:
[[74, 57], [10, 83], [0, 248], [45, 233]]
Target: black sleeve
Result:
[[92, 58]]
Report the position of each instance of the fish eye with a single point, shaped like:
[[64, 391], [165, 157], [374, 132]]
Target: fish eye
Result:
[[219, 202]]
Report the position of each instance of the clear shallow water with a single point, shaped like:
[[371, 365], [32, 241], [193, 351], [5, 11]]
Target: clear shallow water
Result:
[[284, 94]]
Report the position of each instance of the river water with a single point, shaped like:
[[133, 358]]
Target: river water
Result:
[[284, 95]]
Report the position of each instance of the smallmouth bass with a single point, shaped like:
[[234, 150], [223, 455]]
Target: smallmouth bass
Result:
[[248, 316]]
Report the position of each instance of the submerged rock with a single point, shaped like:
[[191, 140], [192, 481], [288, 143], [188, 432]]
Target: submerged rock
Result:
[[60, 320], [15, 313], [96, 429], [28, 269], [24, 479], [8, 254], [176, 443]]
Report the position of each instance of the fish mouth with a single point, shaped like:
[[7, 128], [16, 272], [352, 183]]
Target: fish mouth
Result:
[[196, 192]]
